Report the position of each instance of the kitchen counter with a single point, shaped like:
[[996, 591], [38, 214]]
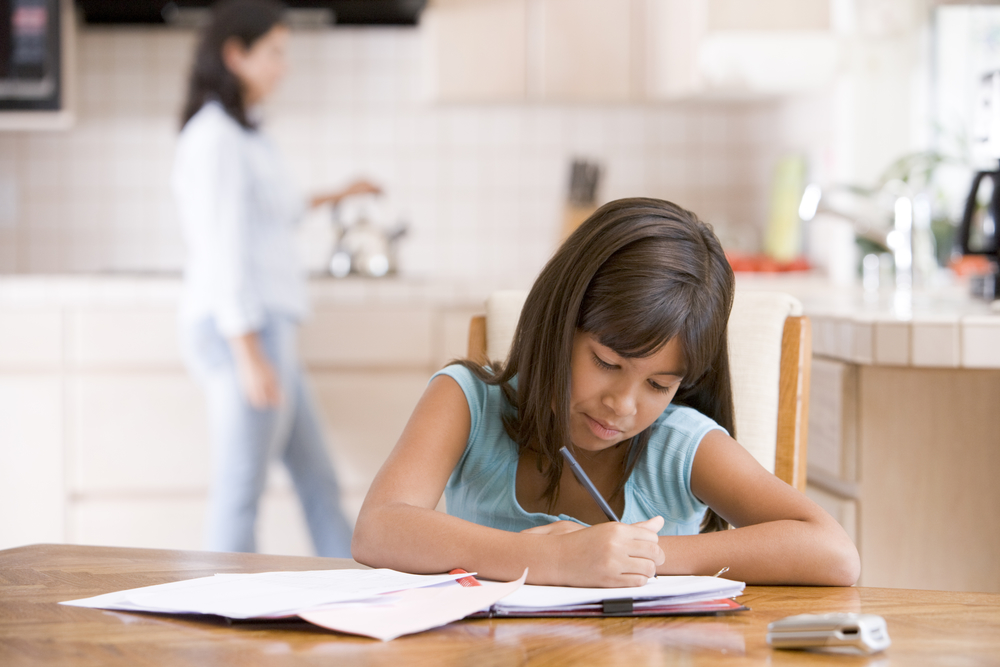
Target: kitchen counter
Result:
[[940, 328], [902, 428]]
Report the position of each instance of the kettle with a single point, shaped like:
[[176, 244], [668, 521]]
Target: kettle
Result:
[[363, 247]]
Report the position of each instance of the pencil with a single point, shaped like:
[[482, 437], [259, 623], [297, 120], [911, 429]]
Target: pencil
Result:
[[581, 477]]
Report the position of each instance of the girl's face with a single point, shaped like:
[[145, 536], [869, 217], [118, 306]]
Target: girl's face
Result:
[[613, 398], [261, 67]]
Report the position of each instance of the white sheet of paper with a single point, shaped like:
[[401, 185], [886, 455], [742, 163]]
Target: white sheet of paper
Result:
[[664, 589], [264, 595], [411, 611]]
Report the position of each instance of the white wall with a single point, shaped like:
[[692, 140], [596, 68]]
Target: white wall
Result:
[[482, 186]]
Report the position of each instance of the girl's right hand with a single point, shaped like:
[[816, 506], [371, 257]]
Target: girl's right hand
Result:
[[611, 555]]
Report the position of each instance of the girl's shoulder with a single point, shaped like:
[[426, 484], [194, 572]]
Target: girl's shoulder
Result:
[[487, 404], [682, 419], [477, 392], [677, 433]]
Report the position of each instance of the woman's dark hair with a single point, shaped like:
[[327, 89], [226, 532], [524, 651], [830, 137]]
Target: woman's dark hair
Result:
[[638, 273], [244, 20]]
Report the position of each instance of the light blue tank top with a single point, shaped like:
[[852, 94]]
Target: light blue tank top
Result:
[[481, 488]]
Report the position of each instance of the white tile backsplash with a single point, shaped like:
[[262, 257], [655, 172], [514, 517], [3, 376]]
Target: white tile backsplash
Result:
[[481, 186]]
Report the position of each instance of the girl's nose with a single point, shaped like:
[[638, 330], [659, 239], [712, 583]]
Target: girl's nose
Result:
[[621, 400]]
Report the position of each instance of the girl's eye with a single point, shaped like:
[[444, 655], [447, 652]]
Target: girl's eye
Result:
[[603, 364], [659, 388]]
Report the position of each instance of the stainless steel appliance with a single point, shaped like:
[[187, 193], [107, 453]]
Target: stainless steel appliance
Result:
[[30, 55], [978, 234]]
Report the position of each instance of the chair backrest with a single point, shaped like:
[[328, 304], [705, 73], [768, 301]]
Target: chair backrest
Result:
[[770, 349]]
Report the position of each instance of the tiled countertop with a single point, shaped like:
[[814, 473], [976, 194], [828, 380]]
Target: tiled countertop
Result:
[[940, 328]]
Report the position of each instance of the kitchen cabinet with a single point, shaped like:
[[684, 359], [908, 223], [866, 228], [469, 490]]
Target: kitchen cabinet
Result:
[[104, 436], [585, 50], [731, 49], [537, 50], [625, 50], [475, 51]]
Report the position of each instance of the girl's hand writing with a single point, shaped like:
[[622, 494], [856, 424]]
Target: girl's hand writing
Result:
[[610, 554]]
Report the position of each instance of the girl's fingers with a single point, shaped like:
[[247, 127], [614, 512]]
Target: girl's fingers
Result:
[[649, 551], [653, 524]]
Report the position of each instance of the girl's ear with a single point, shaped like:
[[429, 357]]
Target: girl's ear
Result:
[[234, 56]]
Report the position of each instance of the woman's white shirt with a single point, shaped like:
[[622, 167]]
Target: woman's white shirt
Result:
[[238, 211]]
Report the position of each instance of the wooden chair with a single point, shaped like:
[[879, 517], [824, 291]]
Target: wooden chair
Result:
[[770, 351]]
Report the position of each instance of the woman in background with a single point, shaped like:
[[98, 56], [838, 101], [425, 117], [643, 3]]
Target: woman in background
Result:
[[244, 290]]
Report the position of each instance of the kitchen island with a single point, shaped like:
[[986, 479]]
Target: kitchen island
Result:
[[904, 429], [104, 438]]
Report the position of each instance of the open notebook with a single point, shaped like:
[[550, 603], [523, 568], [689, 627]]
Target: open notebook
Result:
[[662, 596]]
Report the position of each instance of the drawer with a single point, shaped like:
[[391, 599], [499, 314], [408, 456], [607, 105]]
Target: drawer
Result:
[[111, 338], [32, 481], [833, 393], [31, 338], [368, 337]]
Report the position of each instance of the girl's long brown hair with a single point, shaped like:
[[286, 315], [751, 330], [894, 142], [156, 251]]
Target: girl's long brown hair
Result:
[[636, 274]]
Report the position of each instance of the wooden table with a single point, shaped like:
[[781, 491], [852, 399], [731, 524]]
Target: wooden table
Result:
[[927, 627]]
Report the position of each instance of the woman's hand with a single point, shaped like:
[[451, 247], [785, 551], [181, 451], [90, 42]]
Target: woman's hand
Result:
[[359, 187], [610, 554], [257, 376]]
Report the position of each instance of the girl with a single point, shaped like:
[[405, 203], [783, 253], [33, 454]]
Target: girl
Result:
[[244, 291], [620, 354]]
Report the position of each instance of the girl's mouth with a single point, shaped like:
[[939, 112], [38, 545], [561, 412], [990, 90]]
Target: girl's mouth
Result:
[[600, 430]]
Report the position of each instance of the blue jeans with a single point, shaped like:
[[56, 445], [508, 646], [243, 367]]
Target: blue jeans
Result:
[[244, 440]]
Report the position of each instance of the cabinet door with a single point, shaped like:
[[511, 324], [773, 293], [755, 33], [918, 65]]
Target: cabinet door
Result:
[[171, 521], [31, 473], [833, 396], [474, 50], [585, 50], [136, 433], [737, 49], [368, 337]]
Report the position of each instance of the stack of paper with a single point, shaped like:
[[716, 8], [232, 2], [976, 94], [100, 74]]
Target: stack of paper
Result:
[[386, 604]]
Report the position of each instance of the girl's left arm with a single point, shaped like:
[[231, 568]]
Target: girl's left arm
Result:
[[779, 536]]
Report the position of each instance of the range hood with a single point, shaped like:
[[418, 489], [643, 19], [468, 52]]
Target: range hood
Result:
[[315, 12]]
